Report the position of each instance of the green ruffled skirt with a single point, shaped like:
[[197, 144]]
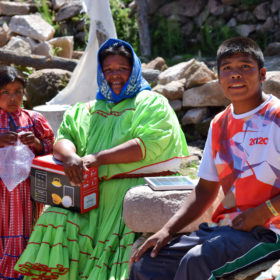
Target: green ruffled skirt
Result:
[[94, 245]]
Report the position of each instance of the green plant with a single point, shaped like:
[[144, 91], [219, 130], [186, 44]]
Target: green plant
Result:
[[25, 70], [55, 50], [167, 39], [125, 22], [44, 11], [249, 3], [212, 36]]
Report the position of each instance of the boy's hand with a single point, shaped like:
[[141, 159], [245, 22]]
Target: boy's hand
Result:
[[156, 241], [250, 218], [8, 138]]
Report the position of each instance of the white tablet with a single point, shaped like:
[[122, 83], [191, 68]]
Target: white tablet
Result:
[[170, 183]]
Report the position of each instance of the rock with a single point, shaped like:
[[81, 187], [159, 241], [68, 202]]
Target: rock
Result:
[[18, 45], [57, 4], [154, 5], [32, 26], [271, 85], [33, 43], [77, 54], [44, 84], [209, 94], [5, 34], [275, 6], [215, 8], [173, 90], [272, 63], [197, 74], [194, 116], [245, 29], [176, 104], [261, 12], [156, 64], [232, 22], [175, 72], [230, 2], [43, 48], [9, 8], [157, 207], [68, 11], [272, 49], [268, 25], [196, 7], [244, 17], [63, 46], [151, 75], [200, 19]]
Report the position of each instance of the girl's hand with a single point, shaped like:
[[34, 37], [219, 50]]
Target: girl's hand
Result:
[[74, 168], [8, 138], [27, 138]]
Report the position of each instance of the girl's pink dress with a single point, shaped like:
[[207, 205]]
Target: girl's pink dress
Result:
[[18, 212]]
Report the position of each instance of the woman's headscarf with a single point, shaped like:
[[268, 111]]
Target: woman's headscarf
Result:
[[135, 84]]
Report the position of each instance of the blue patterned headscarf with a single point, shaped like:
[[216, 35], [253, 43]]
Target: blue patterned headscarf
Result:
[[133, 86]]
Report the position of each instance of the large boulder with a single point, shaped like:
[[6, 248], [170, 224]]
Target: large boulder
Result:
[[175, 72], [173, 90], [63, 46], [18, 45], [271, 85], [194, 116], [9, 8], [209, 94], [33, 26], [44, 84], [145, 210], [5, 34]]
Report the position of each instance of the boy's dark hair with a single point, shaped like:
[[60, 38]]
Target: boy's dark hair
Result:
[[243, 45], [10, 74], [116, 49]]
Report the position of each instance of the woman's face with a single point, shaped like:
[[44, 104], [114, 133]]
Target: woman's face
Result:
[[11, 96], [116, 70]]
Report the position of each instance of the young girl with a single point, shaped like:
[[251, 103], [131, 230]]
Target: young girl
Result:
[[18, 212]]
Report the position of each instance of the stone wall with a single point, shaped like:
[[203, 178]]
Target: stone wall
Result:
[[259, 19]]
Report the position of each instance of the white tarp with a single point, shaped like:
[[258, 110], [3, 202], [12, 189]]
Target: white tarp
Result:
[[82, 86]]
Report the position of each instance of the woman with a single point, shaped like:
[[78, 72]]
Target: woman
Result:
[[129, 132]]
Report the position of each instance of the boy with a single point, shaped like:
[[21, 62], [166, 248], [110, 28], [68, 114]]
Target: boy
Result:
[[242, 155]]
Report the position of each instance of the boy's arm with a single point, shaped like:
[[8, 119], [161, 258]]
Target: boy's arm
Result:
[[257, 216], [194, 206]]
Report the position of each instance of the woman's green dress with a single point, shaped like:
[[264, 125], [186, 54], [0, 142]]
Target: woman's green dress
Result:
[[96, 245]]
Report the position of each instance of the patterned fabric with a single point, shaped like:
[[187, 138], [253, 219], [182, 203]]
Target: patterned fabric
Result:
[[135, 84], [96, 245], [16, 214], [246, 151]]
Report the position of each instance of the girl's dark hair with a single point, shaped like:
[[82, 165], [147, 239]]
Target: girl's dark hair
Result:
[[10, 74], [243, 45], [116, 49]]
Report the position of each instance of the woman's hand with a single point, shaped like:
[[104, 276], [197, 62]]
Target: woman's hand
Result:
[[156, 241], [8, 138], [74, 168], [90, 160]]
